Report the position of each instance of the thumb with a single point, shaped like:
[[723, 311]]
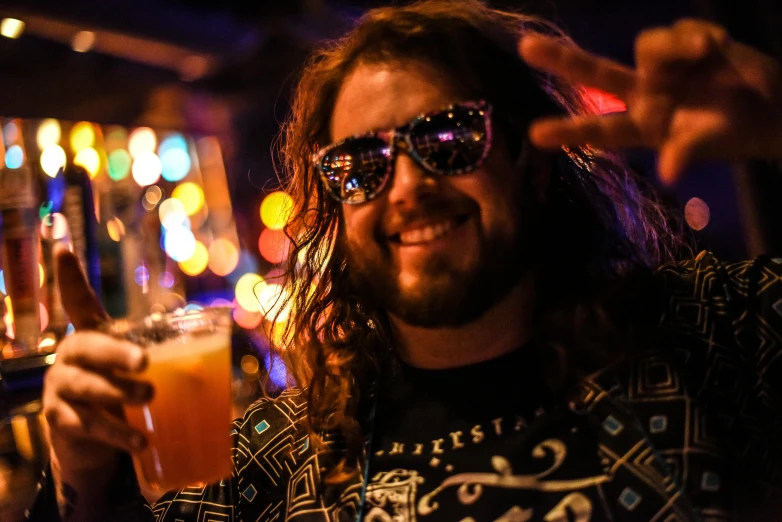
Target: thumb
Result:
[[80, 302]]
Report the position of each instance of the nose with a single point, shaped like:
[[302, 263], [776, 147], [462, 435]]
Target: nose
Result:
[[410, 183]]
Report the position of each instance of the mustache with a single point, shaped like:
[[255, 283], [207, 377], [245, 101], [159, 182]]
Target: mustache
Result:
[[428, 210]]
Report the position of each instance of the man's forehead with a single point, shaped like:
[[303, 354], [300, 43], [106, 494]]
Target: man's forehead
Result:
[[385, 96]]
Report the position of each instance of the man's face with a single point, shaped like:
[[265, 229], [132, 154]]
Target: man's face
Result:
[[431, 250]]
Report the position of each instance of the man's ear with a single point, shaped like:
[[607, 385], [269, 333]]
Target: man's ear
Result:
[[538, 167]]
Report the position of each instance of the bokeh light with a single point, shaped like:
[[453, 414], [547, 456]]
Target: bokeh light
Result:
[[146, 168], [172, 213], [276, 209], [115, 228], [274, 245], [82, 136], [14, 157], [54, 226], [248, 264], [49, 133], [11, 28], [172, 141], [142, 141], [179, 243], [41, 275], [141, 275], [52, 160], [193, 307], [197, 262], [697, 213], [119, 164], [273, 301], [191, 196], [2, 282], [247, 289], [11, 132], [89, 159], [166, 280], [223, 257], [247, 319], [176, 164]]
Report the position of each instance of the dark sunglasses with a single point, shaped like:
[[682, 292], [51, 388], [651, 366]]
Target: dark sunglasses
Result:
[[453, 141]]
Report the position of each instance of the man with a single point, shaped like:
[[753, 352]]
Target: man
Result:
[[479, 332]]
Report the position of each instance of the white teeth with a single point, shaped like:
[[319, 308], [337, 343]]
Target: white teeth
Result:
[[424, 234]]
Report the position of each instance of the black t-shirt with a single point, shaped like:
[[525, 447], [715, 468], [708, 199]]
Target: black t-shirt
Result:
[[482, 442]]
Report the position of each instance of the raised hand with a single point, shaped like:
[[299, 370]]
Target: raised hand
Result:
[[695, 93]]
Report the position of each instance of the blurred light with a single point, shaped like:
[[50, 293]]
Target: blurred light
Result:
[[273, 301], [142, 140], [179, 243], [172, 141], [249, 364], [82, 136], [41, 275], [697, 213], [11, 28], [146, 168], [193, 307], [45, 209], [11, 132], [246, 292], [276, 210], [245, 319], [2, 282], [141, 275], [274, 245], [89, 159], [276, 369], [83, 41], [70, 329], [197, 262], [172, 213], [119, 164], [223, 257], [48, 342], [52, 160], [603, 102], [153, 195], [49, 133], [176, 164], [14, 157], [191, 196], [220, 302], [157, 308], [115, 228], [165, 280]]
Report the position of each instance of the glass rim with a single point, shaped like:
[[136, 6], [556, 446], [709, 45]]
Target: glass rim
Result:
[[162, 326]]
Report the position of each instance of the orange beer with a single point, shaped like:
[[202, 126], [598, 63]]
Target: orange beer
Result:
[[188, 419]]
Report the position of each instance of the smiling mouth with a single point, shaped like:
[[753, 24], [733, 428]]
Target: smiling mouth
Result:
[[427, 233]]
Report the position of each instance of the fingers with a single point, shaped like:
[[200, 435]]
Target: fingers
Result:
[[101, 352], [598, 131], [79, 421], [576, 65], [78, 299], [86, 387]]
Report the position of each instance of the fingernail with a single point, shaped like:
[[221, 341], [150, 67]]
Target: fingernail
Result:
[[137, 442]]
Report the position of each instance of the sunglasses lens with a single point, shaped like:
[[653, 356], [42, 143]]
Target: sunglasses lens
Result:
[[453, 141], [356, 170]]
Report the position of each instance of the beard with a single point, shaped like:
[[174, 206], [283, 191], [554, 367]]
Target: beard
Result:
[[445, 296]]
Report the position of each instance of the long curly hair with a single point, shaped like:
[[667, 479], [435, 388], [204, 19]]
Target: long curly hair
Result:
[[603, 230]]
